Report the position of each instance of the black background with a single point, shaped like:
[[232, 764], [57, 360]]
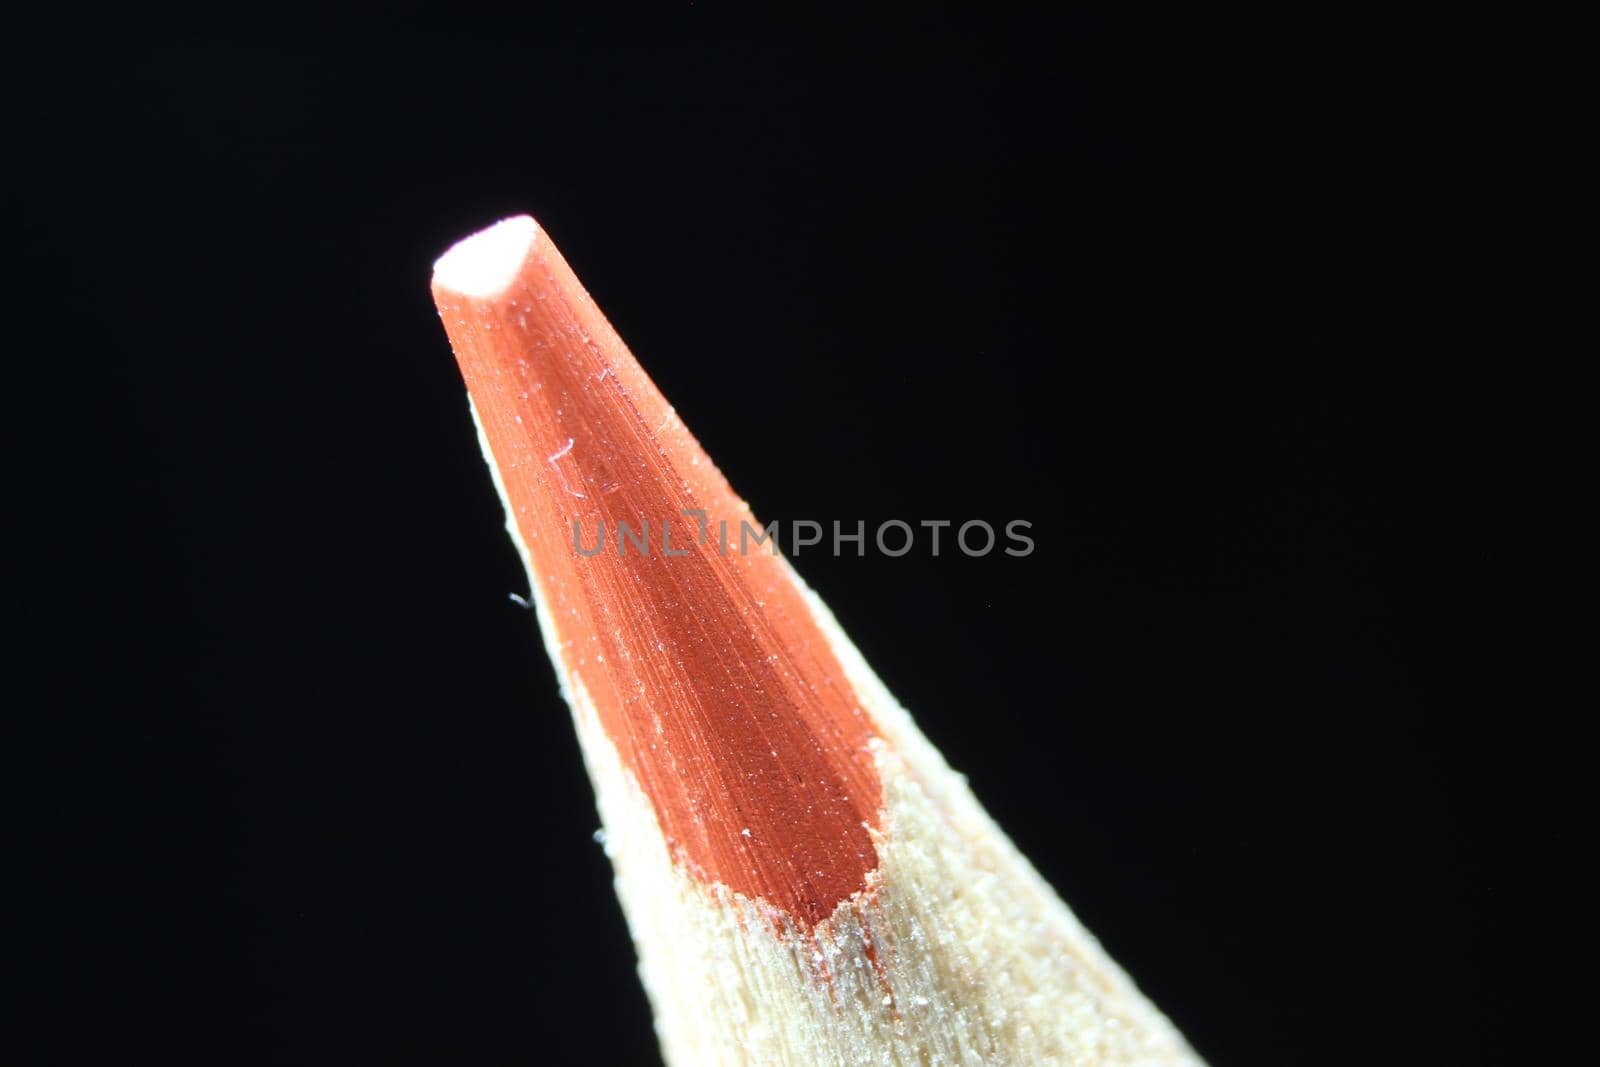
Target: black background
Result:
[[1196, 301]]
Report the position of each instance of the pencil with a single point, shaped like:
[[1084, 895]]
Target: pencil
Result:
[[806, 881]]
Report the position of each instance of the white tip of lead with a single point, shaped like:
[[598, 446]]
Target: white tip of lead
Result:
[[485, 263]]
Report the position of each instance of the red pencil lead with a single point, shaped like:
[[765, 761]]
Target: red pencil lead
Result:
[[806, 881]]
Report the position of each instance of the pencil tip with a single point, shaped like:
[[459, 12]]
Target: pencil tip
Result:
[[484, 264]]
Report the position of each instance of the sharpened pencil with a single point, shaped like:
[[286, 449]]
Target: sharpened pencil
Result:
[[805, 879]]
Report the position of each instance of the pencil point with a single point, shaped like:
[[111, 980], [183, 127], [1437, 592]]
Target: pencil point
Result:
[[484, 264], [806, 880]]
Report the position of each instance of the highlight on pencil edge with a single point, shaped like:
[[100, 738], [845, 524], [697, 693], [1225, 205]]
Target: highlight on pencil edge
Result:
[[806, 881]]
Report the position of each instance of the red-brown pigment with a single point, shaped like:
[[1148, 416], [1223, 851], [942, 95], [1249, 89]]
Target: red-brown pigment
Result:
[[708, 672]]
